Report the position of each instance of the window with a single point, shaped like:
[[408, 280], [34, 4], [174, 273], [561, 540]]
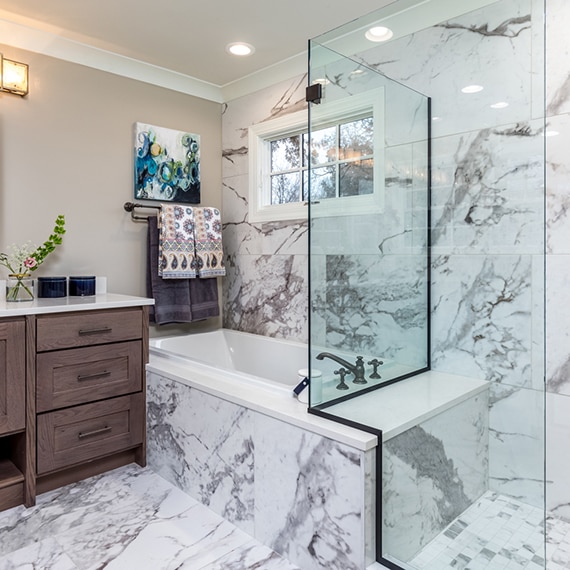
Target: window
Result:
[[346, 158]]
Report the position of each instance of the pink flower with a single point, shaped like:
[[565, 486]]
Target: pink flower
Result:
[[30, 262]]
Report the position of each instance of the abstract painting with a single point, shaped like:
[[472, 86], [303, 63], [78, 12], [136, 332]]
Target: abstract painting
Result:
[[167, 164]]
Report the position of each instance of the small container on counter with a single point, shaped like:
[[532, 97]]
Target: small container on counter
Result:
[[52, 287], [83, 286]]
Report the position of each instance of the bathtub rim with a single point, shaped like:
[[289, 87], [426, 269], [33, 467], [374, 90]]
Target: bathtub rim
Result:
[[285, 408]]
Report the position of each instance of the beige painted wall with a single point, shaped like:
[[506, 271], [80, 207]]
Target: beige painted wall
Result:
[[68, 148]]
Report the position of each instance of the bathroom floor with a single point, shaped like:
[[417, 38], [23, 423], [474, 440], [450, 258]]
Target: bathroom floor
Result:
[[498, 533], [128, 518]]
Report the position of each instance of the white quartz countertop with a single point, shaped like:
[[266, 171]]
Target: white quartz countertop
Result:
[[68, 304], [403, 405], [392, 409]]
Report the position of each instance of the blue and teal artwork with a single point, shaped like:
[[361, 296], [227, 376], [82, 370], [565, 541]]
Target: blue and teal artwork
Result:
[[167, 165]]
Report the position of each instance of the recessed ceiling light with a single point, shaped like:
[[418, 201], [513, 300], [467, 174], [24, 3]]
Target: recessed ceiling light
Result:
[[499, 105], [379, 34], [436, 119], [240, 48], [472, 89], [549, 133]]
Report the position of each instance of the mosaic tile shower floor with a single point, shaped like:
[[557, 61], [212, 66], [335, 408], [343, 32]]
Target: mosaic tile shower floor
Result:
[[498, 533]]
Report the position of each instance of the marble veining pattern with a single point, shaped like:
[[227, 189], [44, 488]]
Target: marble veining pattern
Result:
[[496, 533], [431, 474], [127, 518], [299, 493], [212, 461]]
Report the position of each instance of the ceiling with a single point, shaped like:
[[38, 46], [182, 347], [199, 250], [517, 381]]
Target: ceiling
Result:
[[188, 36]]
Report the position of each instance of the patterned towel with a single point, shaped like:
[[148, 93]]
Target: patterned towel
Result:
[[208, 239], [176, 252]]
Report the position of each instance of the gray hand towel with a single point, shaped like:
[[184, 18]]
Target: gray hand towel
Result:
[[177, 300]]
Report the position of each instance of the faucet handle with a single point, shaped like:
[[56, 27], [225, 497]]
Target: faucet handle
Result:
[[342, 372], [375, 363]]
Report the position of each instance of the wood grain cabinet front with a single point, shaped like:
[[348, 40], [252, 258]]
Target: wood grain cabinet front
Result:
[[79, 375], [89, 393], [12, 376], [56, 332], [75, 435]]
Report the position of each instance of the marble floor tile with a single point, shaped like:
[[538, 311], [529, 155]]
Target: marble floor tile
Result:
[[127, 518]]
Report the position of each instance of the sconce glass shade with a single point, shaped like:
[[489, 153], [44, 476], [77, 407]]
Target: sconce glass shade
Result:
[[13, 76]]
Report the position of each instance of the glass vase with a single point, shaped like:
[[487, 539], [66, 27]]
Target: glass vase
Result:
[[19, 287]]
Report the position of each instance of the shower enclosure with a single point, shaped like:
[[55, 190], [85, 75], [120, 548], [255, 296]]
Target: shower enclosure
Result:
[[426, 194]]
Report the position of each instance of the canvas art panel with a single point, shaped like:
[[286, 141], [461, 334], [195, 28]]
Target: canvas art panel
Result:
[[167, 164]]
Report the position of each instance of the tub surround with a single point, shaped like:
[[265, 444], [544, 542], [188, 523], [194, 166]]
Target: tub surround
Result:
[[278, 405], [322, 515], [307, 501]]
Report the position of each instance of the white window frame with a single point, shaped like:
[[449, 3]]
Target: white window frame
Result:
[[327, 114]]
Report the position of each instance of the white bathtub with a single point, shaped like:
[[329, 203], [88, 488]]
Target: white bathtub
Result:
[[256, 360]]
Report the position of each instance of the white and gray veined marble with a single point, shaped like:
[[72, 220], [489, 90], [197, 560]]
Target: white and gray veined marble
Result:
[[265, 289], [127, 518], [431, 474], [302, 495], [516, 443], [210, 460], [374, 304], [481, 321]]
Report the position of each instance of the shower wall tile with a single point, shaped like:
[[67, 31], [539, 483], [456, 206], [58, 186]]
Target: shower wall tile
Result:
[[439, 61], [481, 317], [210, 459], [516, 443], [558, 58], [558, 320], [267, 295], [558, 185], [488, 190], [375, 304], [309, 501], [305, 495], [557, 459], [431, 474]]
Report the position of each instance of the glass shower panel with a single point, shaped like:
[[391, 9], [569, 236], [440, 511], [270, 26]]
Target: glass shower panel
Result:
[[368, 154], [462, 486]]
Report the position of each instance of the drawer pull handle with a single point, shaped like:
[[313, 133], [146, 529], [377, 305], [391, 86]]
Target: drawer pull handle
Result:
[[83, 377], [83, 434], [84, 332]]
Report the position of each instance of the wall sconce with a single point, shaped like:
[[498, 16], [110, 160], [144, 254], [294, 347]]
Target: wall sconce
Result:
[[13, 76]]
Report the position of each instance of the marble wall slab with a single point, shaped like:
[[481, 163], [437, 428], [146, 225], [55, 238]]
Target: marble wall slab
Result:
[[431, 474], [303, 495], [516, 443], [265, 289], [210, 460], [487, 204]]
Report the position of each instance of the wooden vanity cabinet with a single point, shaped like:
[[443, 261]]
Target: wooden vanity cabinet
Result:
[[72, 395], [89, 393], [12, 412]]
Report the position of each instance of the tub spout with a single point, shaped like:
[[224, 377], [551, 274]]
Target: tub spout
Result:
[[356, 369]]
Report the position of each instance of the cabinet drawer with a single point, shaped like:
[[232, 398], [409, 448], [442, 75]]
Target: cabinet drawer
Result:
[[87, 328], [74, 435], [81, 375]]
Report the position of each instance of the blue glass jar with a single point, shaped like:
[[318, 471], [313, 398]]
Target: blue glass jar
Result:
[[52, 287], [82, 286]]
